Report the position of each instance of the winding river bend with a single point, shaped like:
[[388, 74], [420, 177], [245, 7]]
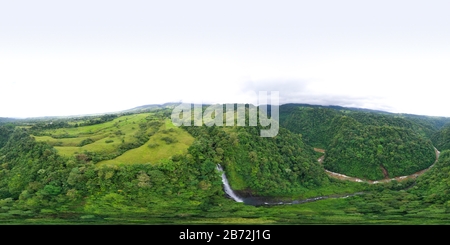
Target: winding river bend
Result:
[[261, 201], [345, 177]]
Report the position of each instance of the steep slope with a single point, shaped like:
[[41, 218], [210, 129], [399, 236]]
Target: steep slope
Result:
[[35, 179], [364, 144], [441, 139], [427, 201], [263, 166], [433, 187], [313, 123], [5, 133], [377, 152]]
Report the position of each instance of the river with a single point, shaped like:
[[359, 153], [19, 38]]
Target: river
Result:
[[261, 201]]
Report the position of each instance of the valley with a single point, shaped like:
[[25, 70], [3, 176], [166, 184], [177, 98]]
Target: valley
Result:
[[385, 180], [325, 166]]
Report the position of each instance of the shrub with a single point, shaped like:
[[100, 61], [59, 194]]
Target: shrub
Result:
[[177, 157], [169, 140], [52, 190], [167, 131], [152, 145], [86, 142]]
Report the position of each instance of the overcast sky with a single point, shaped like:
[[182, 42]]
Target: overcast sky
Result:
[[80, 57]]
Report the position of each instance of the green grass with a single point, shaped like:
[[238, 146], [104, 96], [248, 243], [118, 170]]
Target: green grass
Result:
[[106, 127], [231, 220], [145, 154], [168, 124], [69, 141], [236, 182], [68, 150], [100, 133]]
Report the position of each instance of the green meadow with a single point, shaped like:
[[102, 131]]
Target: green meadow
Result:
[[109, 139], [157, 148]]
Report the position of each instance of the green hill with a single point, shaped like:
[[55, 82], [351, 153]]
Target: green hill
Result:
[[164, 143], [378, 152], [369, 145], [313, 123], [441, 138], [282, 165], [131, 138]]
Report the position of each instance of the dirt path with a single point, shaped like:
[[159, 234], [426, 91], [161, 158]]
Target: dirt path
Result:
[[385, 172], [319, 150], [345, 177]]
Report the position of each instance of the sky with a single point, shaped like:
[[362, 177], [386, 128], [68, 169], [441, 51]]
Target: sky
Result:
[[60, 58]]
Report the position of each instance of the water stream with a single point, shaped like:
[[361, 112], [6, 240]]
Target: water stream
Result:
[[260, 201], [227, 186]]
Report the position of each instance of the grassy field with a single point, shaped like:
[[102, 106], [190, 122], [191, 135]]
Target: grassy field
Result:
[[96, 129], [166, 141], [156, 148]]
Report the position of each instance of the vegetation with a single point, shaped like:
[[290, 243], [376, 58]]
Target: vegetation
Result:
[[163, 144], [139, 168], [441, 139], [364, 144], [377, 152]]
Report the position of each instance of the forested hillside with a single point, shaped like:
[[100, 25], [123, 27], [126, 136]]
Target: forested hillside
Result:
[[441, 138], [377, 152], [433, 187], [264, 166], [37, 180], [365, 144], [314, 124], [426, 201]]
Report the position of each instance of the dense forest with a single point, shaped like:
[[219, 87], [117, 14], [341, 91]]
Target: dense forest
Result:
[[314, 122], [365, 144], [264, 166], [441, 139], [377, 152]]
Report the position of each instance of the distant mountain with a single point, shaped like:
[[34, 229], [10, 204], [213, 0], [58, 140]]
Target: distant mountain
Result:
[[437, 122], [139, 109], [150, 107], [336, 107], [7, 119]]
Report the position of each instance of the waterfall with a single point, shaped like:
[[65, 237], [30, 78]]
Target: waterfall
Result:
[[228, 189], [258, 201]]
